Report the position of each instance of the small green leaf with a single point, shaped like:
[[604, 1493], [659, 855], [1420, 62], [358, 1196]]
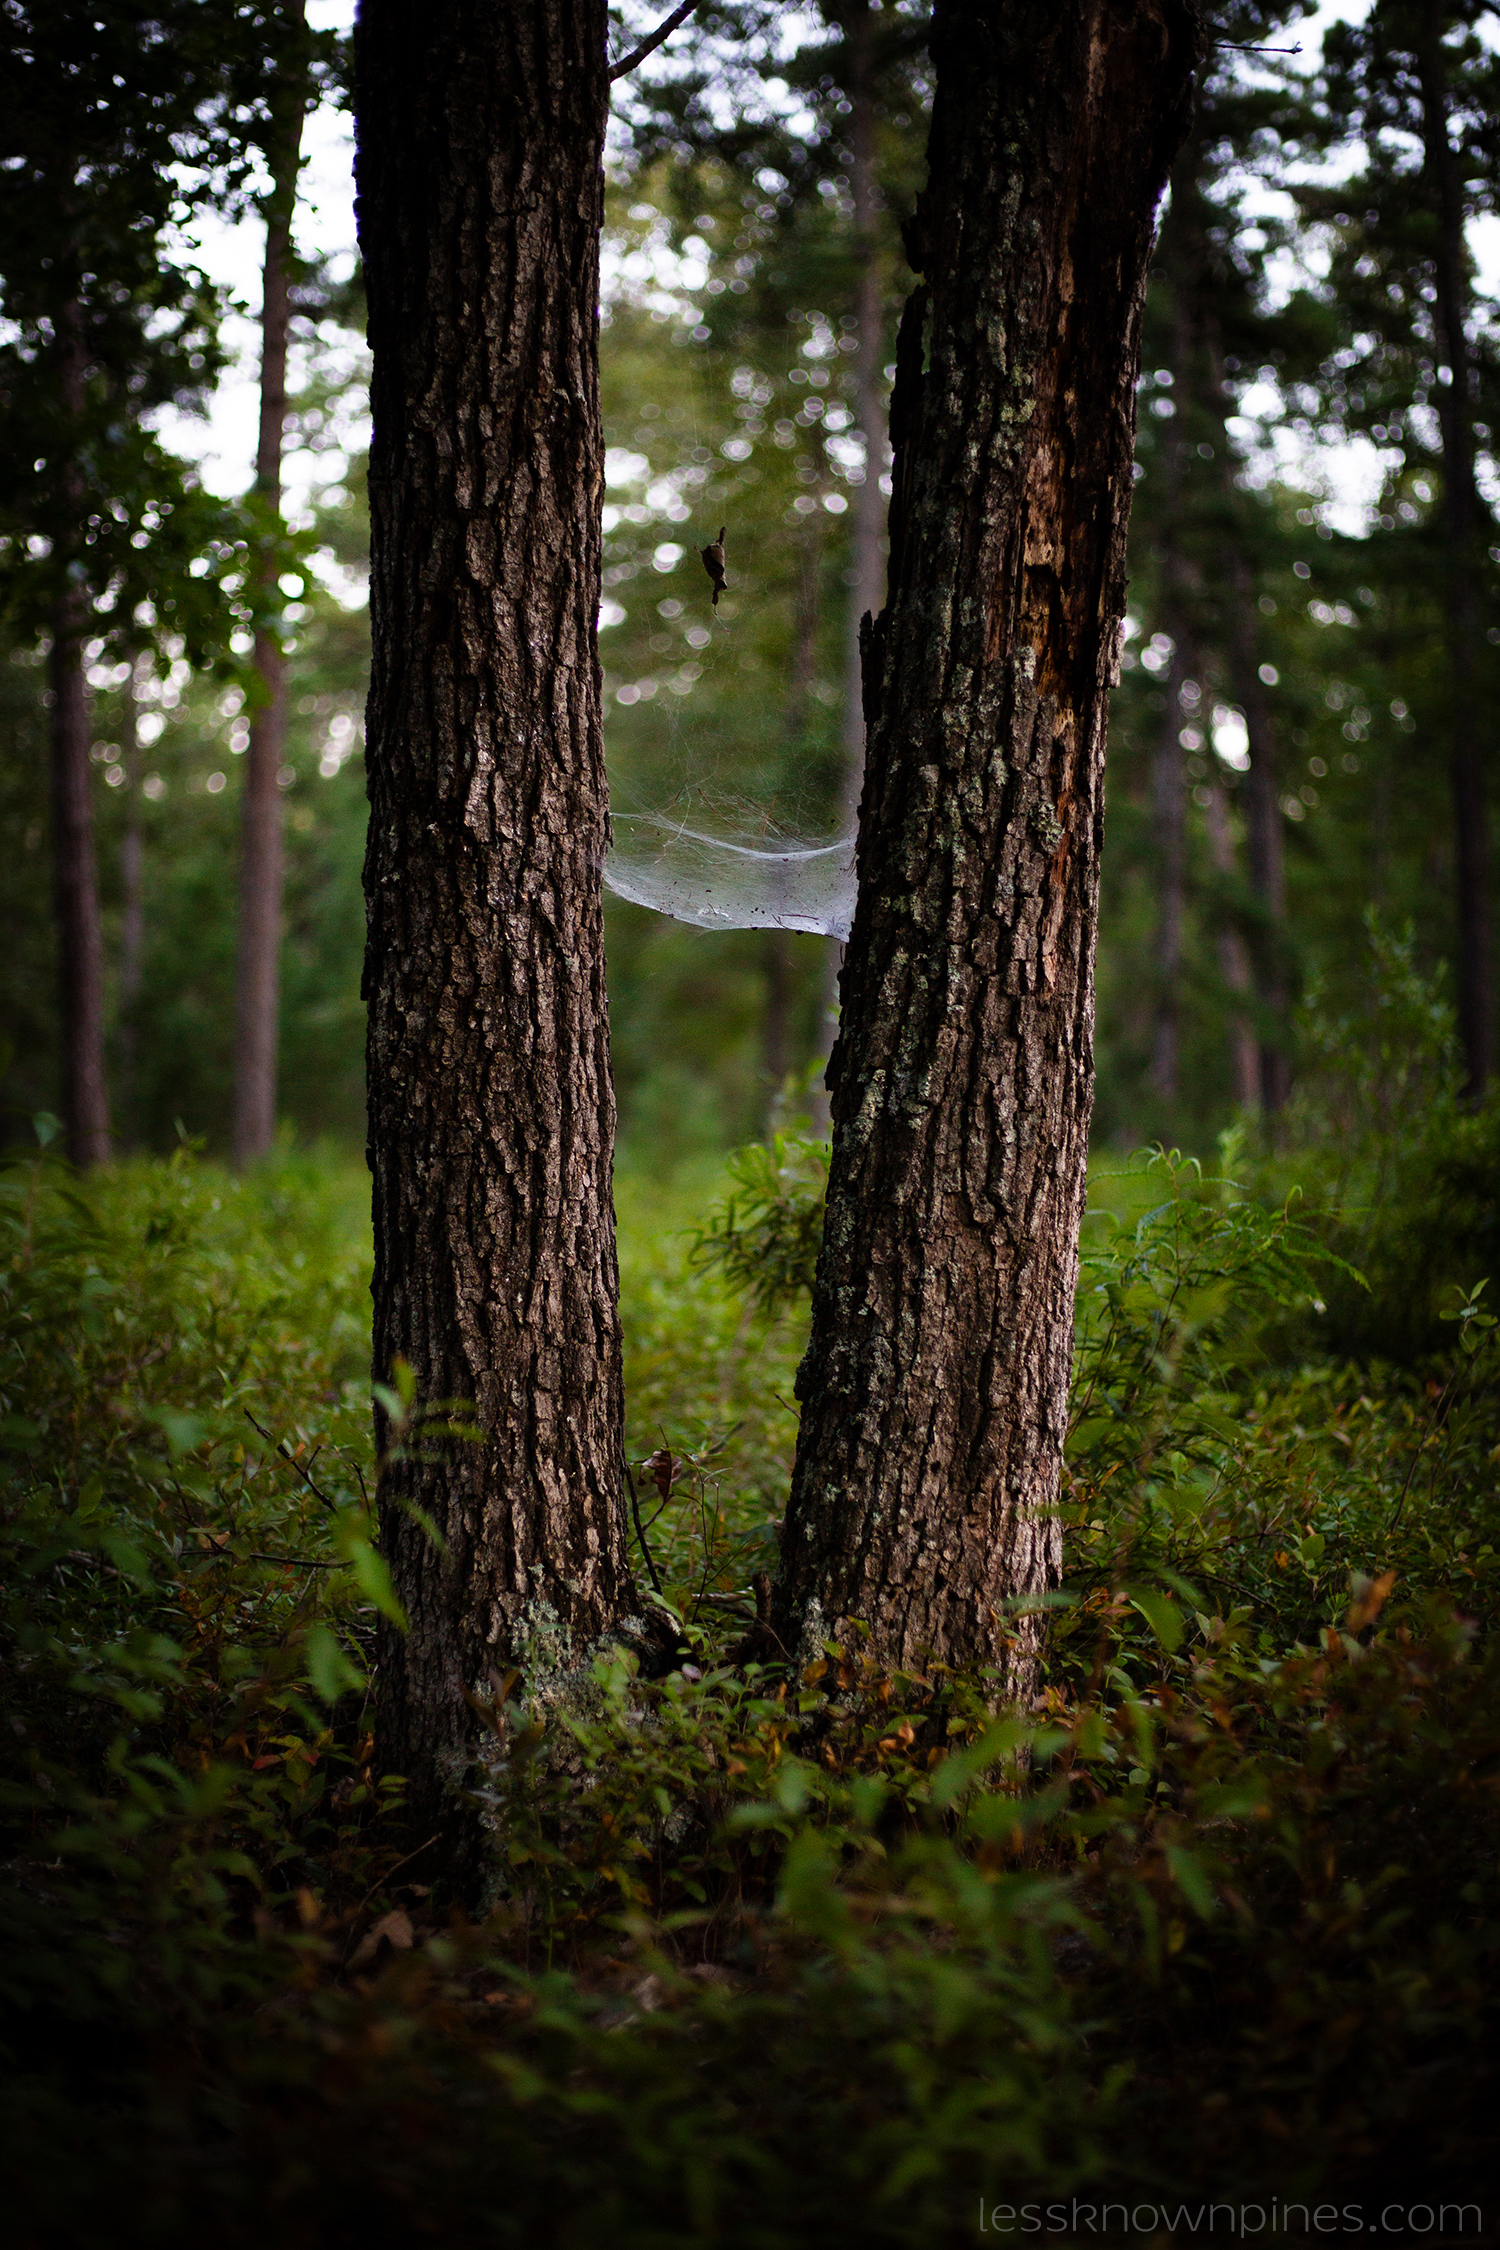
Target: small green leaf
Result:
[[183, 1432], [1163, 1616], [374, 1578], [1191, 1879], [329, 1666]]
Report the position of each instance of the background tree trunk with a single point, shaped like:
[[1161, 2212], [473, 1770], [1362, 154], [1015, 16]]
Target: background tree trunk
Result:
[[1169, 837], [132, 906], [867, 563], [1265, 850], [480, 143], [75, 867], [75, 872], [1463, 512], [935, 1386], [1188, 257], [1234, 957], [1167, 777], [258, 979], [778, 954]]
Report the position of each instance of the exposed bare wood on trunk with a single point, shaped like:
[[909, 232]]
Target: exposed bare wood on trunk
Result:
[[262, 848], [935, 1385], [1470, 731], [75, 868], [480, 175]]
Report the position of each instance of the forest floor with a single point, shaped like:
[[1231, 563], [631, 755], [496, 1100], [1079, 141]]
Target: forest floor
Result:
[[770, 1958]]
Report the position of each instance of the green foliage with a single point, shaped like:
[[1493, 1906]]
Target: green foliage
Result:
[[764, 1237], [768, 1952], [1406, 1173]]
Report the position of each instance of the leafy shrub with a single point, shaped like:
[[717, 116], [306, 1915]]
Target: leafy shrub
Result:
[[1402, 1170], [773, 1958]]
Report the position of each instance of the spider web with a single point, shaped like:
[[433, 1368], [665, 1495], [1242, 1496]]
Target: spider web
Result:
[[719, 883]]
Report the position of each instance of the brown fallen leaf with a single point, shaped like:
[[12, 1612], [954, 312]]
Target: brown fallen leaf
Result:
[[394, 1930]]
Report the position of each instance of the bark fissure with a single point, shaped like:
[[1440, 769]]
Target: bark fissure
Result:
[[935, 1384], [491, 1106]]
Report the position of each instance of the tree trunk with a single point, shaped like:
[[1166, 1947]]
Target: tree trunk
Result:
[[258, 979], [1189, 256], [778, 954], [1169, 835], [867, 560], [75, 869], [1234, 957], [935, 1386], [1461, 519], [1177, 263], [132, 908], [1264, 848], [75, 872], [480, 144]]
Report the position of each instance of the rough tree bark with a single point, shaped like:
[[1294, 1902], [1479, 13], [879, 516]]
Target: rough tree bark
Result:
[[1463, 513], [258, 977], [75, 866], [491, 1118], [935, 1385]]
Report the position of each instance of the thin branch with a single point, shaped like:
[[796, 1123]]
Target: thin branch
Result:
[[291, 1462], [374, 1887], [635, 1510], [649, 46], [297, 1562]]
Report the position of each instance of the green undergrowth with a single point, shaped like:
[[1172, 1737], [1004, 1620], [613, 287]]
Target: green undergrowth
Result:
[[771, 1957]]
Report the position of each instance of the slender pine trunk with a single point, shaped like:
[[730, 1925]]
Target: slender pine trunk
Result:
[[778, 954], [75, 868], [1169, 853], [262, 852], [1189, 255], [1469, 729], [491, 1118], [1265, 850], [132, 912], [1234, 956], [80, 931], [867, 558], [935, 1386]]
